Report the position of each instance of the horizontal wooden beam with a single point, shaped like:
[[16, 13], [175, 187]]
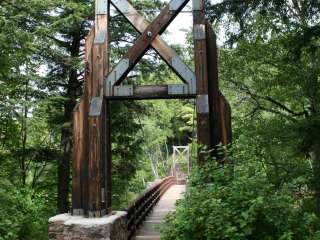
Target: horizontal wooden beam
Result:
[[152, 92]]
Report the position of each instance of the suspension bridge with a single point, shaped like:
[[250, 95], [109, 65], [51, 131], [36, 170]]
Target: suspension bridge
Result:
[[92, 216]]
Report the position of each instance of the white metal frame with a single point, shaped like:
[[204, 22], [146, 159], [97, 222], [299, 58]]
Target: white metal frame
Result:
[[178, 151]]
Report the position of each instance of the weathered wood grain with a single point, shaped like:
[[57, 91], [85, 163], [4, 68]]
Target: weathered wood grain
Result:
[[77, 157], [80, 135], [201, 71], [143, 42], [151, 92], [158, 44], [220, 114]]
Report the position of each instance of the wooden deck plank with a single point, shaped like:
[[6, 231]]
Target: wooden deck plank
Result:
[[148, 230]]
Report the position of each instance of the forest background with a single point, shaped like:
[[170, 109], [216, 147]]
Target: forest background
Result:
[[269, 67]]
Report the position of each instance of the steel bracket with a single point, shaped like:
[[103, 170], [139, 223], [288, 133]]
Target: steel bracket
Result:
[[122, 5], [199, 32], [177, 89], [185, 72], [174, 5], [95, 107], [103, 195], [115, 74], [123, 90], [100, 38], [101, 7], [197, 5], [203, 104], [77, 212]]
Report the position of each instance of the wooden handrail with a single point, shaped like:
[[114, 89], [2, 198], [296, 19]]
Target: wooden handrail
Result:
[[140, 208]]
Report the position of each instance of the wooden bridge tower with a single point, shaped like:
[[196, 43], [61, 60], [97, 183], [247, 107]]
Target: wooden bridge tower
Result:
[[91, 183]]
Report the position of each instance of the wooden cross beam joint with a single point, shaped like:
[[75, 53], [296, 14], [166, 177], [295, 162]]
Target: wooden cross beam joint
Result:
[[149, 37], [92, 124]]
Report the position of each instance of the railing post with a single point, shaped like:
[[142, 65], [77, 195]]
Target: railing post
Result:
[[137, 211]]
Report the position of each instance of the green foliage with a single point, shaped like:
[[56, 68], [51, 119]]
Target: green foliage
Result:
[[270, 73], [23, 213], [239, 203], [269, 70]]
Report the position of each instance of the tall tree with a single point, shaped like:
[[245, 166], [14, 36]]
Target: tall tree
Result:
[[272, 56], [64, 31]]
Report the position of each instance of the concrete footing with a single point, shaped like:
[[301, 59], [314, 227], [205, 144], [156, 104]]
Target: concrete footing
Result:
[[68, 227]]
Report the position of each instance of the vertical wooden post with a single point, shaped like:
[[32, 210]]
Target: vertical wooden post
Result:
[[214, 93], [201, 71], [96, 157], [107, 121], [220, 114], [77, 157], [81, 139], [97, 116], [108, 162], [89, 154]]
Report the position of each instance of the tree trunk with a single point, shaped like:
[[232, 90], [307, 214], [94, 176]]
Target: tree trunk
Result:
[[72, 92], [64, 172]]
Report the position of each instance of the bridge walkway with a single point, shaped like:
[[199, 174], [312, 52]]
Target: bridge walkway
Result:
[[166, 204]]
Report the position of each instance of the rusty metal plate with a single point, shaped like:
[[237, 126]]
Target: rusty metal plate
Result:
[[203, 104]]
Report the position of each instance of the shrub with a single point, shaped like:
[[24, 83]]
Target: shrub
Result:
[[224, 204], [23, 215]]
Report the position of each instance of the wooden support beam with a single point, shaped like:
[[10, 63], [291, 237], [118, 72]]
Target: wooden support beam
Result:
[[135, 53], [97, 117], [201, 70], [108, 158], [158, 44], [97, 120], [78, 153], [151, 92], [220, 112], [97, 158], [81, 139], [226, 120], [213, 86], [89, 65]]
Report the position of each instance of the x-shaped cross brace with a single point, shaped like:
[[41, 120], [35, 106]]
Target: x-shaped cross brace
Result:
[[149, 37]]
